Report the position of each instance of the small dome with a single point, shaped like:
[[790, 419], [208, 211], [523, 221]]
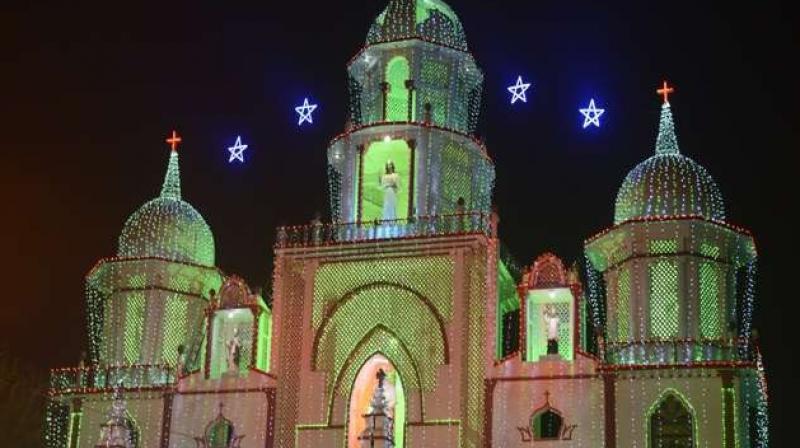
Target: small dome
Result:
[[668, 184], [168, 227], [431, 20]]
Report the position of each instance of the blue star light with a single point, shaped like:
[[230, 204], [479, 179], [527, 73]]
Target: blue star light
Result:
[[518, 91], [237, 150], [305, 112], [591, 115]]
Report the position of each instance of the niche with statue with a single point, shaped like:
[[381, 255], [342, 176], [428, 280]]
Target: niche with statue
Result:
[[239, 331]]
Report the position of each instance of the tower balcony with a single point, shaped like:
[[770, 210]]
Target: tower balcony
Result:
[[680, 352], [322, 234], [106, 377]]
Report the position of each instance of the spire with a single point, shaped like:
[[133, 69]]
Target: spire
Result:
[[667, 141], [172, 180]]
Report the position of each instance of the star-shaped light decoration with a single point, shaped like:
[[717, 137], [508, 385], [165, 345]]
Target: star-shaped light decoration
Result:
[[518, 91], [305, 112], [237, 150], [591, 115]]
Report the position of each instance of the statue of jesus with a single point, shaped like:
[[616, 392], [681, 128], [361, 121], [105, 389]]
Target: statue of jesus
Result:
[[234, 351], [390, 183], [551, 322]]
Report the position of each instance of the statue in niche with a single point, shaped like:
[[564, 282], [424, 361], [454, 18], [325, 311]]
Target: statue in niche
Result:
[[390, 183], [551, 321], [234, 346]]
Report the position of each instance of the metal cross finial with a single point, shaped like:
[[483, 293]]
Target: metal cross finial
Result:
[[174, 140], [664, 91], [381, 375]]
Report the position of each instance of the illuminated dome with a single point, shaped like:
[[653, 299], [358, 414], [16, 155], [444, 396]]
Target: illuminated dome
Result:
[[668, 184], [431, 20], [168, 227]]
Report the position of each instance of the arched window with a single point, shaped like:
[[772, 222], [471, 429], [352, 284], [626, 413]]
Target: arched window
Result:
[[220, 433], [397, 73], [547, 425], [671, 424], [546, 422]]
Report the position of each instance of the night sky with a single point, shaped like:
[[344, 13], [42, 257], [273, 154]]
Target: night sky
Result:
[[90, 92]]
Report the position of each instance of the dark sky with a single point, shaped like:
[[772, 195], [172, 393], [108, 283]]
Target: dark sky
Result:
[[91, 91]]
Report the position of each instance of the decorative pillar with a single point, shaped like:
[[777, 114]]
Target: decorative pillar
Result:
[[412, 200], [410, 87], [728, 409], [359, 186], [427, 117], [384, 99], [610, 392]]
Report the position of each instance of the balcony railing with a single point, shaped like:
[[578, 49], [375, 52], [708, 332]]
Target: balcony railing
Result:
[[107, 377], [679, 352], [319, 234]]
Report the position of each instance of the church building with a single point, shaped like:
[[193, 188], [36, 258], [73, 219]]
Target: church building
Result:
[[402, 321]]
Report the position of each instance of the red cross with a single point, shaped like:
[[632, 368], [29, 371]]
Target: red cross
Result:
[[174, 140], [665, 91]]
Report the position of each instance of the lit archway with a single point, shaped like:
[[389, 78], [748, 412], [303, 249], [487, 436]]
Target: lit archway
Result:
[[366, 382]]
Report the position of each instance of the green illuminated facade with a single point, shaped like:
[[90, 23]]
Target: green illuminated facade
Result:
[[402, 321]]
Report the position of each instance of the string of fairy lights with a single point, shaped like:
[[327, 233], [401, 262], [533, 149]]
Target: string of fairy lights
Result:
[[183, 353]]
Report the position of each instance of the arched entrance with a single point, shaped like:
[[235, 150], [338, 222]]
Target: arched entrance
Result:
[[363, 389]]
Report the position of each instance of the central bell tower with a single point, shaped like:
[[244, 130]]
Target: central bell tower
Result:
[[415, 94], [404, 278]]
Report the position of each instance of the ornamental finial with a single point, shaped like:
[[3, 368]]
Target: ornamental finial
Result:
[[174, 140], [664, 91]]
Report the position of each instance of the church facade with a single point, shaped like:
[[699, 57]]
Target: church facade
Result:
[[403, 321]]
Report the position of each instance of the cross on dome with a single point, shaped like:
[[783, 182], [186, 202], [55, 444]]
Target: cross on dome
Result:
[[664, 91], [174, 140]]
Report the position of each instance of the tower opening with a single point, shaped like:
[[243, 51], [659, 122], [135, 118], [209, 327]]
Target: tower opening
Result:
[[386, 180], [397, 73], [363, 390]]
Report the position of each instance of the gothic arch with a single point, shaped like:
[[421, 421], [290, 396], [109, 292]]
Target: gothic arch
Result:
[[547, 272], [389, 318], [355, 294], [675, 410], [402, 361]]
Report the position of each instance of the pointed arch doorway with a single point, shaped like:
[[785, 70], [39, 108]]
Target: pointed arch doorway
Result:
[[364, 386]]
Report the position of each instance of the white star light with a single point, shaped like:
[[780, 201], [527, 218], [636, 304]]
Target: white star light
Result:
[[237, 150], [591, 115], [305, 112], [518, 91]]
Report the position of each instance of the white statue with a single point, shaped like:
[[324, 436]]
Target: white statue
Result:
[[234, 351], [551, 322], [390, 183]]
